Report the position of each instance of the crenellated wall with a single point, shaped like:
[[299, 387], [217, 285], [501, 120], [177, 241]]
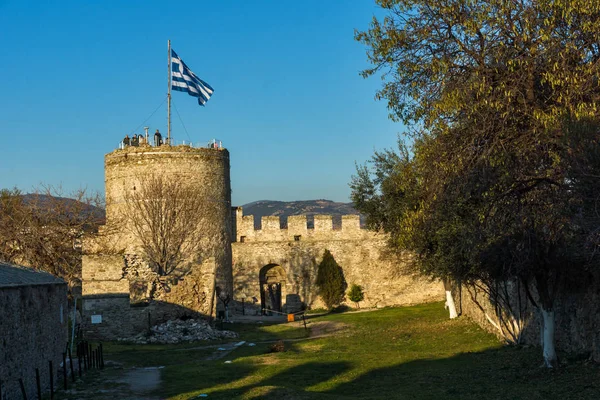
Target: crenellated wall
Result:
[[297, 225], [298, 250]]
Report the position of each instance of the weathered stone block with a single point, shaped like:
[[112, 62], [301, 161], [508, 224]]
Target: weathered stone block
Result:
[[270, 224], [350, 223], [297, 226], [323, 223]]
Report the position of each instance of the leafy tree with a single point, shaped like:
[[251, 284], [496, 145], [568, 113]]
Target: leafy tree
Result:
[[330, 281], [356, 294], [584, 178], [492, 188]]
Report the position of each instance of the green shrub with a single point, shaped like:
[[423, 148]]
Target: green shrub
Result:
[[330, 281], [356, 294]]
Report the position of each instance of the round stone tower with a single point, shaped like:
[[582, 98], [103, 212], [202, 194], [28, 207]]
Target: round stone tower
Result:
[[206, 170]]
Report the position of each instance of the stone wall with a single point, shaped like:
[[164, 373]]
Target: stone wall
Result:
[[112, 317], [577, 319], [104, 274], [113, 306], [33, 330], [297, 228], [299, 250]]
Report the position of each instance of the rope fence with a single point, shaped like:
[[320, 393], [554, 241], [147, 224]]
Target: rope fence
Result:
[[291, 316]]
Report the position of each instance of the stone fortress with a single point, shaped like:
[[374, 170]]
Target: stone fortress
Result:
[[271, 268]]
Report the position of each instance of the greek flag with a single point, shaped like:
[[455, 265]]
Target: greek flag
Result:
[[184, 80]]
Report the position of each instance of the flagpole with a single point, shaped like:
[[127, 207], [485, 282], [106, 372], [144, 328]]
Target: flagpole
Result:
[[169, 98]]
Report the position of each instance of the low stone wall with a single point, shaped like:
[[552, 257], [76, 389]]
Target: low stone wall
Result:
[[112, 317], [106, 317], [33, 331], [577, 318], [116, 296]]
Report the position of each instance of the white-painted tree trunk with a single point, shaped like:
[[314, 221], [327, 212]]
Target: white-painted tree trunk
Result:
[[450, 304], [550, 359]]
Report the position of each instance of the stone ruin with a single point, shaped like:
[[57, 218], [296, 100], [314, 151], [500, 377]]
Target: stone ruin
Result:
[[179, 331]]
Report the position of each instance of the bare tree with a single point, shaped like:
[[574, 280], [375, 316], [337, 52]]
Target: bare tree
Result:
[[13, 224], [171, 219], [44, 229]]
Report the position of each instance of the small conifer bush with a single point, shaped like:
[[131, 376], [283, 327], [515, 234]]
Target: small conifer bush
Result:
[[356, 294], [330, 281]]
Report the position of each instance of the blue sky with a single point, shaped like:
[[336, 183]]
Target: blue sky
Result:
[[289, 103]]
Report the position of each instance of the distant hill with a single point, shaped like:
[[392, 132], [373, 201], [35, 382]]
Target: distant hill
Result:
[[310, 208], [260, 208], [44, 201]]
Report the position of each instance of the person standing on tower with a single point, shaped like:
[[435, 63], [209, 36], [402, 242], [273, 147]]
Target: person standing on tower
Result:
[[157, 138]]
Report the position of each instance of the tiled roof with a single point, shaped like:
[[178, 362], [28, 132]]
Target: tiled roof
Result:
[[16, 275]]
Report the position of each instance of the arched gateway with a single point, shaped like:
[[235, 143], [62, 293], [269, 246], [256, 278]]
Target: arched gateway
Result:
[[272, 284]]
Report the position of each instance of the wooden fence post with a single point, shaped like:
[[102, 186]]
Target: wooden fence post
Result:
[[51, 380], [90, 355], [101, 356], [23, 392], [71, 364], [37, 382], [65, 370]]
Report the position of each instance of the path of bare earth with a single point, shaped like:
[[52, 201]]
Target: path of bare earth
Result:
[[117, 382]]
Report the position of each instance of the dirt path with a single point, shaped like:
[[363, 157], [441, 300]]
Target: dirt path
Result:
[[115, 383], [325, 328], [223, 349], [142, 380]]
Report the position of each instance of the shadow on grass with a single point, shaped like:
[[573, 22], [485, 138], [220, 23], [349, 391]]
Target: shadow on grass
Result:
[[506, 373], [271, 331], [405, 353], [290, 383], [150, 355]]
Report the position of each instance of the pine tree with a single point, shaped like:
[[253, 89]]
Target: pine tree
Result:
[[330, 281], [356, 294]]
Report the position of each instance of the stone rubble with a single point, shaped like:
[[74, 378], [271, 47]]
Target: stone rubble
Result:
[[178, 331]]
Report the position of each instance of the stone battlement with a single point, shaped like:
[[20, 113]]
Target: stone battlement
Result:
[[297, 228], [148, 149]]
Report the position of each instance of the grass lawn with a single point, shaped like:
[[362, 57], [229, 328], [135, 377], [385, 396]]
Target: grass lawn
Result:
[[396, 353]]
